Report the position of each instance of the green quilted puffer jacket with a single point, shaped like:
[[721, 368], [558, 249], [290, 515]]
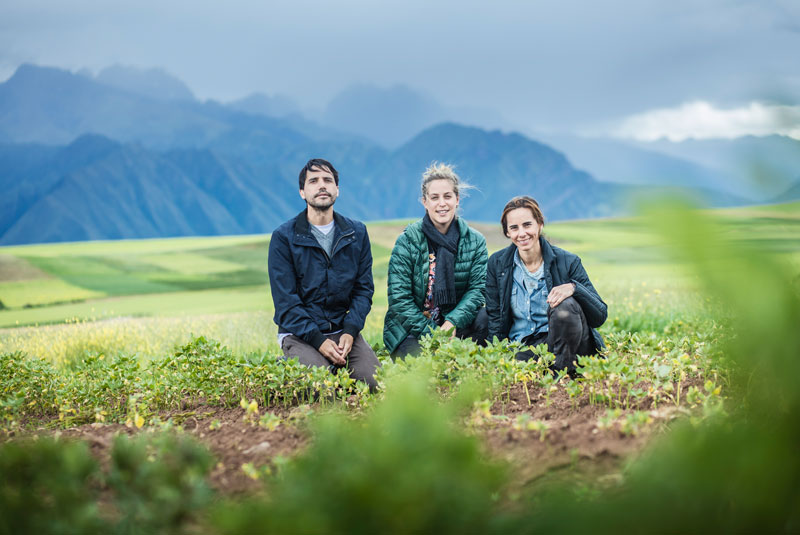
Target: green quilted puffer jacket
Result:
[[408, 281]]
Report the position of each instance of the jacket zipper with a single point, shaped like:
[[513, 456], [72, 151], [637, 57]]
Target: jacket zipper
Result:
[[333, 249]]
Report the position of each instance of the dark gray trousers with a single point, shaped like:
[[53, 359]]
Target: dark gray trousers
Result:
[[478, 330], [569, 335], [361, 362]]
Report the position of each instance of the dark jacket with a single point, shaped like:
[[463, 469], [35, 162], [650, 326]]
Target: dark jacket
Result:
[[315, 294], [560, 267], [408, 282]]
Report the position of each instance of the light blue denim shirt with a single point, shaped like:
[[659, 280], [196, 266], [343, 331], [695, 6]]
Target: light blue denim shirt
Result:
[[528, 301]]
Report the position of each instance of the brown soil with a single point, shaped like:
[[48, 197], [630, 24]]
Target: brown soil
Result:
[[17, 269], [574, 447], [233, 441]]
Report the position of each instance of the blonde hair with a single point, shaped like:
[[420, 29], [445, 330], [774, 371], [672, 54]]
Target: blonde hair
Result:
[[443, 171]]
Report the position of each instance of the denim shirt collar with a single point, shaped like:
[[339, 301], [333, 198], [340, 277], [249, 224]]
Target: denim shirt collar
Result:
[[521, 272]]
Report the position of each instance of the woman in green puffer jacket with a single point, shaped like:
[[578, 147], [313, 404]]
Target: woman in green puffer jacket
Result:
[[437, 271]]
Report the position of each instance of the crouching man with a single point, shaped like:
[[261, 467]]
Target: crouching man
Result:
[[320, 272]]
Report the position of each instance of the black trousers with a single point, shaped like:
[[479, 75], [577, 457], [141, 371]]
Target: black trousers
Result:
[[478, 330], [568, 336]]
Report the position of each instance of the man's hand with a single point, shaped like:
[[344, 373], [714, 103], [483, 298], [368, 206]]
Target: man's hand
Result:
[[559, 293], [345, 344], [446, 326], [331, 351]]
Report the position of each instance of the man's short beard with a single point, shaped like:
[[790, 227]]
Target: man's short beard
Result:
[[321, 206]]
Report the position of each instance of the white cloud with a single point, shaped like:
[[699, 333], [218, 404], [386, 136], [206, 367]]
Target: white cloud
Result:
[[701, 120]]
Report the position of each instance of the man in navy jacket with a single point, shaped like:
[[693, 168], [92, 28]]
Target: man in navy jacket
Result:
[[320, 272]]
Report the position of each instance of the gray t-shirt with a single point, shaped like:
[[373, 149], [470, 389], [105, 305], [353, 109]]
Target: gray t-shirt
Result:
[[324, 235]]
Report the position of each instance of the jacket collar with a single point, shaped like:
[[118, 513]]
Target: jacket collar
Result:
[[303, 228], [508, 256], [547, 253]]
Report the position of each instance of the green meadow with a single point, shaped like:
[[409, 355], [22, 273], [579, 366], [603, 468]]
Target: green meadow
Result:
[[78, 293]]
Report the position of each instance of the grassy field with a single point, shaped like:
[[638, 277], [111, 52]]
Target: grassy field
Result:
[[201, 284]]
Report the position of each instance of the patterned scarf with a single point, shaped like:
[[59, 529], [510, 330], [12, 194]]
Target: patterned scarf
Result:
[[445, 248]]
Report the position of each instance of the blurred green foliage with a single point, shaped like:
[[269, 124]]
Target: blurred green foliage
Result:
[[407, 467], [158, 482], [48, 487], [155, 483]]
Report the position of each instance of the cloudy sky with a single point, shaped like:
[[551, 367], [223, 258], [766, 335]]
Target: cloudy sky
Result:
[[638, 68]]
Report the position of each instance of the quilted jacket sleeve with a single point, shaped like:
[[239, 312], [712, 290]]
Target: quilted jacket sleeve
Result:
[[467, 308]]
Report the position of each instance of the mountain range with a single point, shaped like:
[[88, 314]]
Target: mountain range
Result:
[[755, 169], [132, 154]]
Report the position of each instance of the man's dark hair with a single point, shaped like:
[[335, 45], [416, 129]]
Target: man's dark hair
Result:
[[320, 164]]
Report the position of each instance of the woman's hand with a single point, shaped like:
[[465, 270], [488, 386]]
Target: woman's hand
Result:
[[446, 326], [559, 293]]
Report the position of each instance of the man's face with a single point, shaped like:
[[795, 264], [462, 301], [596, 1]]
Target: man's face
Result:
[[320, 190]]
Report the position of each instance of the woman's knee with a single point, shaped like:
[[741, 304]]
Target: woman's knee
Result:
[[567, 311], [481, 324], [409, 346], [481, 319]]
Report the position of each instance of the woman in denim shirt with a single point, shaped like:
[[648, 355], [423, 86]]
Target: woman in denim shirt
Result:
[[537, 293]]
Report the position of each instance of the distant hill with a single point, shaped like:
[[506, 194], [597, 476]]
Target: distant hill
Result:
[[123, 192], [500, 166], [638, 164], [152, 83], [270, 106], [52, 106], [86, 160], [755, 167], [791, 194], [96, 188], [391, 116]]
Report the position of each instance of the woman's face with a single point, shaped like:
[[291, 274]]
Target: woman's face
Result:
[[441, 202], [523, 229]]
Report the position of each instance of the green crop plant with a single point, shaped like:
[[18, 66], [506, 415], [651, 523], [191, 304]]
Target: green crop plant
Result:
[[524, 422], [634, 422], [27, 388], [256, 472], [98, 387], [269, 421], [250, 410], [610, 418]]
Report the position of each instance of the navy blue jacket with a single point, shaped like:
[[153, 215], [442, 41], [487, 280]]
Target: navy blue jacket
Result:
[[314, 293], [560, 267]]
